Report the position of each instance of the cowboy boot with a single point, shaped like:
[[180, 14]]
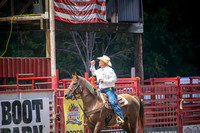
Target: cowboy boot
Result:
[[119, 120]]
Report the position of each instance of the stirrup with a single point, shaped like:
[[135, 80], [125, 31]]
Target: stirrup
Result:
[[119, 120]]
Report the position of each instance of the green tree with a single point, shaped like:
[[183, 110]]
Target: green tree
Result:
[[167, 42]]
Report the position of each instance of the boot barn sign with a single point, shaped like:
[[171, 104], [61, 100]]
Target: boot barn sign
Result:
[[24, 116]]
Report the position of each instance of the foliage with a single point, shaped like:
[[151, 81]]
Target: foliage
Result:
[[167, 42], [24, 44]]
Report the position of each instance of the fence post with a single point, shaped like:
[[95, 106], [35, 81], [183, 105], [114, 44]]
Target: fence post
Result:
[[57, 79], [56, 102], [138, 89], [179, 110], [33, 84], [138, 93], [86, 75]]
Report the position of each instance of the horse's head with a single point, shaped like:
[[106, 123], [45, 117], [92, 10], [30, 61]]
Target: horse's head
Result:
[[74, 87]]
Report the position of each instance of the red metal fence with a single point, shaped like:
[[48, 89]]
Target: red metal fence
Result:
[[168, 105]]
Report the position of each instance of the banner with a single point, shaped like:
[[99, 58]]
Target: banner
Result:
[[74, 117], [24, 116]]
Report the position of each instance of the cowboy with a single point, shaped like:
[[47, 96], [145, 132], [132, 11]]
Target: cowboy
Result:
[[107, 78]]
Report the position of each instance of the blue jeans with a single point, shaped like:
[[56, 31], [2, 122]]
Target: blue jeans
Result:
[[113, 102]]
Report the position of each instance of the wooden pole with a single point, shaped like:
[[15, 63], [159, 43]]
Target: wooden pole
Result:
[[52, 39], [52, 43], [22, 18], [48, 52], [138, 60], [48, 47]]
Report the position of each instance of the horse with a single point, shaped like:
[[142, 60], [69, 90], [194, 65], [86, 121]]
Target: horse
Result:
[[95, 112]]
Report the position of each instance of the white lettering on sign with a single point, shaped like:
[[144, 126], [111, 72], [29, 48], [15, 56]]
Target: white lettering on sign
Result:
[[24, 116]]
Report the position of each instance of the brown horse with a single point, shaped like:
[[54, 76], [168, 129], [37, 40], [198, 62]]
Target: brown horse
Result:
[[95, 112]]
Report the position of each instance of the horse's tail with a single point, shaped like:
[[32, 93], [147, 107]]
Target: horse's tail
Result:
[[142, 117]]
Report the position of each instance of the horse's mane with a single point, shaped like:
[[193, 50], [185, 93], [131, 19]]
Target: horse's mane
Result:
[[91, 88]]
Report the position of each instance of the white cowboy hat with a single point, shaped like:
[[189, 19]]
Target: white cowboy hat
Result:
[[105, 59]]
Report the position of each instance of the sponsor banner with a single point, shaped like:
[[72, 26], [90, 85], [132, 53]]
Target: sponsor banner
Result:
[[191, 129], [74, 117], [24, 116]]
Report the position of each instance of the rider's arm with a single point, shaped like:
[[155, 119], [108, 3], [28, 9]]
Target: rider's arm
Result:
[[93, 70]]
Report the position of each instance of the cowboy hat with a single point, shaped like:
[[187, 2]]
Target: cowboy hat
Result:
[[105, 59]]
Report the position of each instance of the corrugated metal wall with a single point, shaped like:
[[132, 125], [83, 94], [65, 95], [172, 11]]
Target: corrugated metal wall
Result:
[[128, 10], [9, 67]]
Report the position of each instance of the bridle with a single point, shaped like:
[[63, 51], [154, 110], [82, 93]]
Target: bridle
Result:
[[74, 88]]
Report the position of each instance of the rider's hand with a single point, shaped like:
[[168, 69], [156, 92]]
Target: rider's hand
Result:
[[101, 80], [92, 62]]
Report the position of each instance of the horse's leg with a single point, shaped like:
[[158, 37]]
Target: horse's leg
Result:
[[91, 128], [134, 111], [132, 125], [90, 131], [125, 127], [99, 125]]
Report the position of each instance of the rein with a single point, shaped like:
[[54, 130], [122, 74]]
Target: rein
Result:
[[86, 113], [81, 107], [86, 96]]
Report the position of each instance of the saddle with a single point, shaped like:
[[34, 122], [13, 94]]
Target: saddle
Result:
[[121, 101]]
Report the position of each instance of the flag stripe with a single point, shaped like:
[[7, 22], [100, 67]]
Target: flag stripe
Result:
[[82, 8], [78, 13], [69, 11], [86, 3], [93, 20], [85, 17]]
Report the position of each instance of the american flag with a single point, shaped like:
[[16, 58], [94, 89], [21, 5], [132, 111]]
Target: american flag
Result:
[[80, 11]]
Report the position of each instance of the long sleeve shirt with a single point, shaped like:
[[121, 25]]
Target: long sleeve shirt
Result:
[[107, 74]]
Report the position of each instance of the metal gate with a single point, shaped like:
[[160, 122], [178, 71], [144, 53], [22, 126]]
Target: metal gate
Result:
[[161, 104]]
